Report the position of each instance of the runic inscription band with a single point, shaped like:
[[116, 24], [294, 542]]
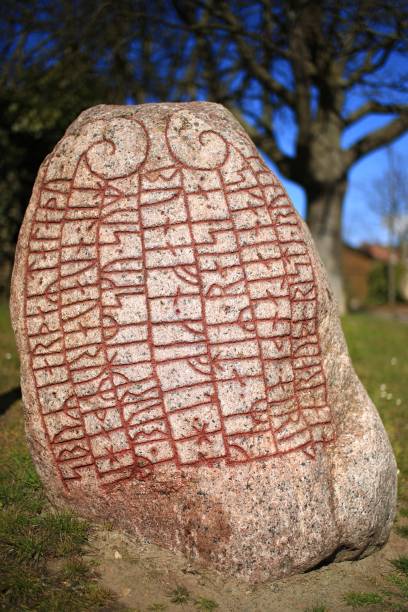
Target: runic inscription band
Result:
[[171, 310]]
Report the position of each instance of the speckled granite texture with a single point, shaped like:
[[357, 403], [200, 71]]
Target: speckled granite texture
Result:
[[183, 369]]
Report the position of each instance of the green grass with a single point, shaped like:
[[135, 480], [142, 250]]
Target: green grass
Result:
[[378, 349], [402, 530], [401, 564], [41, 552], [33, 539], [201, 603], [392, 596], [180, 595], [361, 600]]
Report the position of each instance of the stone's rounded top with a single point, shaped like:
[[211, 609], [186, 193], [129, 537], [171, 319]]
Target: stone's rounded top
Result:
[[182, 367], [210, 112], [120, 139], [156, 108]]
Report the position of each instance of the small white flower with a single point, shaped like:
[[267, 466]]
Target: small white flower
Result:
[[398, 401], [383, 387], [394, 361], [8, 356], [389, 396]]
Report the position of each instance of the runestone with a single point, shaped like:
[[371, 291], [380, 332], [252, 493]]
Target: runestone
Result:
[[167, 304]]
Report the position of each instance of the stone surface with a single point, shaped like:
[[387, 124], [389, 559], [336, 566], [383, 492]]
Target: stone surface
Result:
[[183, 370]]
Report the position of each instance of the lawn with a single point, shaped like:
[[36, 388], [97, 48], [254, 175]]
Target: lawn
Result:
[[379, 351], [41, 552], [42, 564]]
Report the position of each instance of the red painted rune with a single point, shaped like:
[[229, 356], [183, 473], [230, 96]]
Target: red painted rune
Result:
[[170, 307]]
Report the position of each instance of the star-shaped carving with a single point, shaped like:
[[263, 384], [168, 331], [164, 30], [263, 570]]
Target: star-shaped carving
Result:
[[201, 429], [110, 456]]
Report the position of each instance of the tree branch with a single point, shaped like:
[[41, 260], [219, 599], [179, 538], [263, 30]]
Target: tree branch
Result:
[[373, 107], [369, 65], [249, 59], [377, 139]]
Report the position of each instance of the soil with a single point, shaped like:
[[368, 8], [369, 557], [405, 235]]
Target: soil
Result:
[[143, 575]]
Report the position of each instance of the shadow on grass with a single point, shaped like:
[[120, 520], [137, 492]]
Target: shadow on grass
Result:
[[8, 398]]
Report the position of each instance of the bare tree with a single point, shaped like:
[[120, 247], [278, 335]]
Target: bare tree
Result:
[[321, 66], [326, 65]]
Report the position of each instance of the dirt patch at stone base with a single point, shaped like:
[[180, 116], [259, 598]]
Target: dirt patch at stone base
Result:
[[145, 577]]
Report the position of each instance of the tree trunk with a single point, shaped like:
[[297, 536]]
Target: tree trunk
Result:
[[392, 272], [324, 220], [392, 278]]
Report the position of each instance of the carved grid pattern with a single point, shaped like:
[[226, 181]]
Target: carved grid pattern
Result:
[[118, 395]]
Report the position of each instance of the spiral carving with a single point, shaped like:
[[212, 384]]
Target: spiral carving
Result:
[[193, 144], [121, 149]]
